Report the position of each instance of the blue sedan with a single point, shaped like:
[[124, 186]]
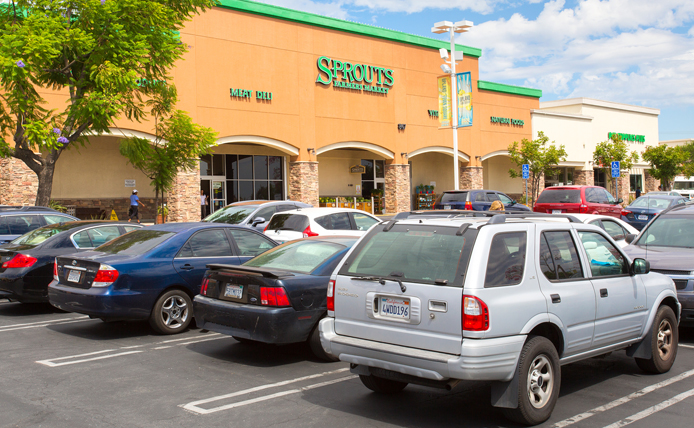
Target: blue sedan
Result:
[[150, 274], [645, 208]]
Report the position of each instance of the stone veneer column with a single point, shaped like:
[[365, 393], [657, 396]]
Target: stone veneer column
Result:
[[183, 201], [650, 183], [303, 182], [18, 184], [471, 177], [397, 188], [623, 190], [584, 177]]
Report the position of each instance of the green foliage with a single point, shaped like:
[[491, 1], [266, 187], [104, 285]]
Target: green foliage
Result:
[[163, 210], [96, 55], [326, 200], [667, 162], [542, 158], [613, 150], [57, 206]]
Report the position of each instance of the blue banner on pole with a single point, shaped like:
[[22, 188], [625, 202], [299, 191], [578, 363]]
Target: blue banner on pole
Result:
[[526, 171], [615, 169]]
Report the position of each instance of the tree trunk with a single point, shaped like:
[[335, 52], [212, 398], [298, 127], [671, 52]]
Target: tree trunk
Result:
[[43, 194]]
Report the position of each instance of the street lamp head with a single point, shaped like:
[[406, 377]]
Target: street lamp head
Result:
[[446, 69], [442, 27], [444, 53], [463, 26]]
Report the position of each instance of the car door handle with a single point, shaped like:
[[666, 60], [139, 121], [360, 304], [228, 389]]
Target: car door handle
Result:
[[555, 298], [603, 292], [187, 267]]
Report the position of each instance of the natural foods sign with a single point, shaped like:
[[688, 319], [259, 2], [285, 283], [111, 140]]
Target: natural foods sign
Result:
[[507, 120], [628, 137], [361, 77]]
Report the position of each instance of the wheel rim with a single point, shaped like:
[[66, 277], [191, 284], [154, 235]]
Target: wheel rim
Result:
[[540, 381], [174, 312], [664, 339]]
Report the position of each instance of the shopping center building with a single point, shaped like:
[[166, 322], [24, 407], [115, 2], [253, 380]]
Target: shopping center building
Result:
[[301, 102]]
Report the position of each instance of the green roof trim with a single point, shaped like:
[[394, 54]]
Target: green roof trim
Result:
[[341, 25], [509, 89]]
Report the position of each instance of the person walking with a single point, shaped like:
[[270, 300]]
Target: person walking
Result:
[[638, 192], [134, 206], [203, 204]]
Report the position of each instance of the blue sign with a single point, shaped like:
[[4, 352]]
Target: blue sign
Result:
[[615, 169], [526, 171]]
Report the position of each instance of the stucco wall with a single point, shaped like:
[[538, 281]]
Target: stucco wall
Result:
[[496, 175], [430, 167], [333, 171]]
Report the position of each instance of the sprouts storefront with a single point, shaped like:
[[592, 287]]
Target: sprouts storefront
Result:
[[306, 108]]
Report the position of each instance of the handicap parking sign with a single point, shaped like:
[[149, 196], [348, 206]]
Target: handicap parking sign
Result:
[[526, 171], [615, 169]]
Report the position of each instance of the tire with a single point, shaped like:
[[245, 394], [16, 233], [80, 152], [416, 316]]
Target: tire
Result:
[[539, 380], [317, 348], [664, 341], [381, 385], [172, 313]]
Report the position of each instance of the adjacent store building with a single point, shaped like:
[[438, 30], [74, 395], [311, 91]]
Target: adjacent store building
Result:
[[307, 106]]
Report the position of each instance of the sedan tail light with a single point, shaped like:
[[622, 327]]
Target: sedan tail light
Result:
[[475, 314], [331, 295], [55, 270], [203, 287], [106, 276], [625, 212], [308, 232], [273, 296], [19, 261]]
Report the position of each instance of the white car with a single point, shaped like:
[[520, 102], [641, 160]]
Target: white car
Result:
[[305, 222], [616, 228]]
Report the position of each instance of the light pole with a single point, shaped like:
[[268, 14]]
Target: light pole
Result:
[[449, 27]]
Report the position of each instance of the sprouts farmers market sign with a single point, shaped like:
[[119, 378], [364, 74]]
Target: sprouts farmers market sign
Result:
[[354, 76], [628, 137]]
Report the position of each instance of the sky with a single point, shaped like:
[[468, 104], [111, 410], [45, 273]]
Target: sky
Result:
[[638, 52]]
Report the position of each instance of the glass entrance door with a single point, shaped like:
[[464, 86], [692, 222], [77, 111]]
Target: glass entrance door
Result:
[[218, 195]]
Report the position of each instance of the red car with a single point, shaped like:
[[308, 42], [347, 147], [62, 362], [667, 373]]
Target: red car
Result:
[[579, 200]]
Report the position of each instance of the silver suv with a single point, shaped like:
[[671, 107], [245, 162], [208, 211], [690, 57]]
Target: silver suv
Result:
[[506, 298]]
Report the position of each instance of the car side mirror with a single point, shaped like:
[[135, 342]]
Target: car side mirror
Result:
[[257, 221], [619, 201], [629, 238], [640, 267]]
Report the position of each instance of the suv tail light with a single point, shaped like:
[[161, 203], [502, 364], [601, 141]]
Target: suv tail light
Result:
[[625, 213], [19, 261], [203, 287], [308, 232], [273, 296], [475, 314], [331, 295], [106, 276], [55, 270], [583, 209], [468, 206]]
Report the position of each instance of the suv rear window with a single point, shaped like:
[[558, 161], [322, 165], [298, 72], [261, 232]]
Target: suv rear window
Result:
[[560, 196], [414, 253], [453, 197], [295, 222]]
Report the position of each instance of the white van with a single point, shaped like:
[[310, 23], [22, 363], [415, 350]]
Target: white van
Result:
[[685, 186]]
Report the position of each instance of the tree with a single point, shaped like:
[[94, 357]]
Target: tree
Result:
[[541, 158], [612, 150], [667, 162], [103, 56]]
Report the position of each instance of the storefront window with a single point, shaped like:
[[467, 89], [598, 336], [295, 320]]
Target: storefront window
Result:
[[373, 177], [245, 167], [635, 181], [380, 169], [600, 177], [217, 164], [206, 165], [563, 177]]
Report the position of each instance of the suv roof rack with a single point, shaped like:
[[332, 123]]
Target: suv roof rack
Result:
[[499, 217], [24, 208]]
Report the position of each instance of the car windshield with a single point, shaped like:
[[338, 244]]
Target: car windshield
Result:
[[413, 253], [231, 214], [454, 197], [136, 242], [651, 202], [295, 222], [560, 196], [297, 256], [37, 236], [669, 231]]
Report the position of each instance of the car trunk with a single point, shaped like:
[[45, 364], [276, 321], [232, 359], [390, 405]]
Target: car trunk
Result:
[[8, 253], [77, 273], [426, 312], [241, 284]]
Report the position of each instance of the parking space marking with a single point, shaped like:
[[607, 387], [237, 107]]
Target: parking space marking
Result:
[[51, 363], [625, 399], [193, 406], [38, 324], [651, 410], [686, 346]]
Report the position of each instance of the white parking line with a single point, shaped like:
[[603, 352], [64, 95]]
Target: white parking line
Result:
[[651, 410], [572, 420], [193, 406], [51, 363], [42, 324], [686, 346]]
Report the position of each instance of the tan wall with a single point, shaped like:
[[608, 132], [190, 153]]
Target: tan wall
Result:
[[334, 177], [429, 167], [496, 175]]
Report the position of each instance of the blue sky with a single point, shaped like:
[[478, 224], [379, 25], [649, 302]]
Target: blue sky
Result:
[[637, 52]]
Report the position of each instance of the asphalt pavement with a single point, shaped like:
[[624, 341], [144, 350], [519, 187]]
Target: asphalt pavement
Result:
[[66, 370]]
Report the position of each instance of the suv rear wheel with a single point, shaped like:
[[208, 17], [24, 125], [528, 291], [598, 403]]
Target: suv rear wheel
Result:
[[538, 383], [664, 340], [381, 385]]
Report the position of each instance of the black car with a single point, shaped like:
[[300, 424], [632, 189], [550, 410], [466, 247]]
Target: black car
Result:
[[277, 297], [26, 264], [16, 221], [475, 199]]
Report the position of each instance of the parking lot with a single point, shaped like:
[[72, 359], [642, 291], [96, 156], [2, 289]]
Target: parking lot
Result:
[[63, 369]]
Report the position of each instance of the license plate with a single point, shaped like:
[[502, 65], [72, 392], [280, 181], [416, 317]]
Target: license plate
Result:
[[556, 211], [73, 275], [395, 308], [234, 291], [446, 207], [643, 217]]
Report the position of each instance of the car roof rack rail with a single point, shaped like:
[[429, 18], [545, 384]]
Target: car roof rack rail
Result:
[[502, 216]]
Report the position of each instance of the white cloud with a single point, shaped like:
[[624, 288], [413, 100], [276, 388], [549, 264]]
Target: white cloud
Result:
[[414, 6]]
